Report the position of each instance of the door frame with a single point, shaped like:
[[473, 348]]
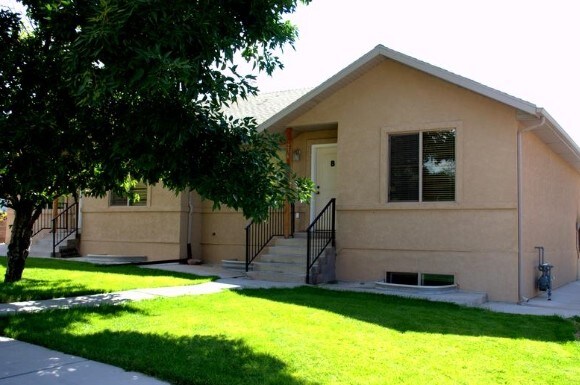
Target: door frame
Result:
[[313, 164]]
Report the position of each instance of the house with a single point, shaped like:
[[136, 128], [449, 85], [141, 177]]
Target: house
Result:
[[437, 179]]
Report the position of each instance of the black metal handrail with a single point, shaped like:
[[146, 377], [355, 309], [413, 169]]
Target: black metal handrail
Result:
[[320, 234], [65, 224], [259, 234], [44, 220]]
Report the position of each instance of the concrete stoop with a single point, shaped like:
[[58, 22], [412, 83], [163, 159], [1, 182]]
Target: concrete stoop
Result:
[[285, 261]]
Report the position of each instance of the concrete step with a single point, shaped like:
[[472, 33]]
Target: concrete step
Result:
[[67, 252], [298, 242], [287, 250], [72, 242], [42, 239], [276, 277], [280, 267], [234, 264], [284, 258]]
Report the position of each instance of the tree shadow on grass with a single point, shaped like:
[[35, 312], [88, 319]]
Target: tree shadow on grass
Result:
[[47, 263], [195, 359], [38, 289], [416, 315]]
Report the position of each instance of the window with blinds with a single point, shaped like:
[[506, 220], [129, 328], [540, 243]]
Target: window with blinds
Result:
[[124, 200], [422, 166], [404, 170]]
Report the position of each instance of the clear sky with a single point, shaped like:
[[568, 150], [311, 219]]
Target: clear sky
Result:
[[527, 48]]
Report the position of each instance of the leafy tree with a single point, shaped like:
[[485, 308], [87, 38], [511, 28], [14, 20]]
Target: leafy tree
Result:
[[99, 91], [44, 151]]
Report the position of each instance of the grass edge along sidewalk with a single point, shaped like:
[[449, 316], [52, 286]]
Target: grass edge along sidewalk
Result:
[[310, 336], [49, 278]]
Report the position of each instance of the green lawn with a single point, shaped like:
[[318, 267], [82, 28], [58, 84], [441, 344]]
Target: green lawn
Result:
[[311, 336], [50, 278]]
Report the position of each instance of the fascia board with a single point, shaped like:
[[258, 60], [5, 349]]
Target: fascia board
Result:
[[313, 96], [458, 80], [374, 56], [559, 132]]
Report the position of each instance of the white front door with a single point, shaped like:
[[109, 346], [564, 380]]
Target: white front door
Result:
[[324, 173]]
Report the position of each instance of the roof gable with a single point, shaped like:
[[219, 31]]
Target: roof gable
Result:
[[549, 132]]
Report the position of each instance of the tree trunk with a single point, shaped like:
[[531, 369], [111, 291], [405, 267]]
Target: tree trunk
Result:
[[24, 217]]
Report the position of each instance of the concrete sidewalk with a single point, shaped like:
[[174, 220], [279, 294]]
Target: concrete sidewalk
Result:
[[26, 364], [22, 363], [136, 295]]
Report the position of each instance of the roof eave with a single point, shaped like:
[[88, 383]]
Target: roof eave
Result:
[[370, 59], [561, 137]]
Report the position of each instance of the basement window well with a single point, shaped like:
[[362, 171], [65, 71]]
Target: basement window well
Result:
[[419, 279]]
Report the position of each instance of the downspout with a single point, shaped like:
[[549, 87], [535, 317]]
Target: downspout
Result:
[[80, 202], [189, 224], [577, 250], [520, 203]]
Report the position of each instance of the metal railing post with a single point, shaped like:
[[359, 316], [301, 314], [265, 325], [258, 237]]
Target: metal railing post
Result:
[[77, 218], [333, 222], [53, 237], [308, 255], [247, 248]]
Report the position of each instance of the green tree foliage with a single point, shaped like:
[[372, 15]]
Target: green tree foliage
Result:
[[96, 91]]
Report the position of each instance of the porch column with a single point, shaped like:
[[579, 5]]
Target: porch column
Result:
[[287, 210]]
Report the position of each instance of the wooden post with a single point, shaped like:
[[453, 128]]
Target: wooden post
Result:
[[287, 211]]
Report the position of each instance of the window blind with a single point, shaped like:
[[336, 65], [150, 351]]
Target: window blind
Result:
[[122, 200], [404, 168], [438, 166]]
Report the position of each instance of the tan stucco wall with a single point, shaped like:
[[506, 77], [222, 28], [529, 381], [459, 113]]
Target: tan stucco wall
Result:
[[551, 209], [155, 230], [3, 230], [474, 238], [218, 234], [9, 222]]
